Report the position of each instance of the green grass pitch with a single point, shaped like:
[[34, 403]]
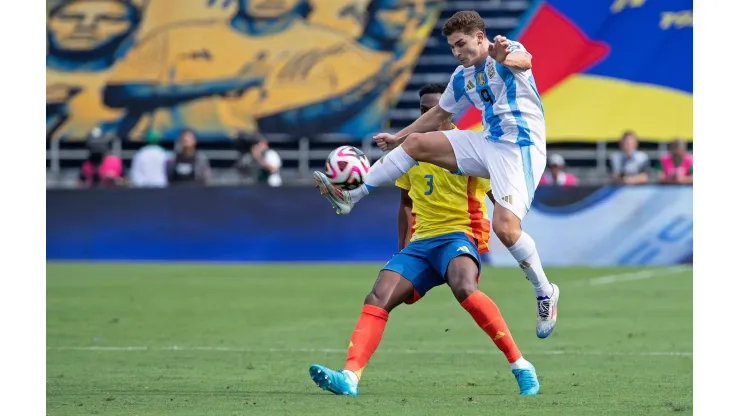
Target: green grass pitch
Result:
[[238, 339]]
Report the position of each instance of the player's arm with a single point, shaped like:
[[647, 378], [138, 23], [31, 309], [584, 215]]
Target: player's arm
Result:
[[453, 101], [427, 122], [510, 54], [405, 219]]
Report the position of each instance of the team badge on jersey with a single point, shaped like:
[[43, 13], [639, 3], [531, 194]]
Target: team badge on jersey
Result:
[[481, 78], [490, 70]]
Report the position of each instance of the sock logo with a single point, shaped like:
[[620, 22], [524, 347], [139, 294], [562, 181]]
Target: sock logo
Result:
[[524, 265], [499, 335], [508, 199]]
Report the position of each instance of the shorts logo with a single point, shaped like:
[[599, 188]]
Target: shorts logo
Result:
[[481, 78], [464, 249], [508, 199]]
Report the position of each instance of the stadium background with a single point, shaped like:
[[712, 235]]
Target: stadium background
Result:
[[141, 320], [339, 71]]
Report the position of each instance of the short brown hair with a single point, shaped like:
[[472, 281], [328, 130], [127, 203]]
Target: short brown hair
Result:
[[467, 21]]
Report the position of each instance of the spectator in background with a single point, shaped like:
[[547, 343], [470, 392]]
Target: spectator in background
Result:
[[100, 169], [189, 166], [259, 159], [629, 166], [676, 167], [149, 165], [555, 174]]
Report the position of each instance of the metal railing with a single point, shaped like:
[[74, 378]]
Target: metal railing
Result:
[[307, 153]]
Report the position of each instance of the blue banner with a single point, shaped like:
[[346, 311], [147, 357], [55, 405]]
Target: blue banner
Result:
[[599, 226]]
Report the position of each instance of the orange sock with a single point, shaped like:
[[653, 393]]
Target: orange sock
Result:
[[489, 319], [365, 338]]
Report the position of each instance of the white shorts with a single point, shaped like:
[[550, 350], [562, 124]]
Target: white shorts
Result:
[[514, 171]]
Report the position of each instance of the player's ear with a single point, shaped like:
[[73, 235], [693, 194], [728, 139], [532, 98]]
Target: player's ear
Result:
[[480, 36]]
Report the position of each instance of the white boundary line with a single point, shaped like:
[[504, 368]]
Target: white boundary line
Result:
[[386, 351], [642, 274]]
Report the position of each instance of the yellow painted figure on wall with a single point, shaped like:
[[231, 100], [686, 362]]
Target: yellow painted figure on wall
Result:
[[291, 66], [85, 40]]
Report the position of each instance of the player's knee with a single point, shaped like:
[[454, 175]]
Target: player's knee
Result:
[[414, 145], [381, 299], [464, 287], [375, 299], [507, 229], [462, 277]]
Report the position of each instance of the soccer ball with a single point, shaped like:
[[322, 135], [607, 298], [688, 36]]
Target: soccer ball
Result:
[[346, 167]]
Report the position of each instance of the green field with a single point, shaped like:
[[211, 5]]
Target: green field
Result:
[[238, 340]]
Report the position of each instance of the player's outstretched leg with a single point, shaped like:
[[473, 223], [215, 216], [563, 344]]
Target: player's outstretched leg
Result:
[[433, 147], [462, 277], [389, 291], [507, 227]]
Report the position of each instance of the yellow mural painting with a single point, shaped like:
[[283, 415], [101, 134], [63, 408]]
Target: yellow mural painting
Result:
[[222, 67]]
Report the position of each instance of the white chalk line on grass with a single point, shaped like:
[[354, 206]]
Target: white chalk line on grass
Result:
[[382, 351], [639, 275]]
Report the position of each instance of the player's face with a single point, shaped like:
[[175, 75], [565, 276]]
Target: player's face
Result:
[[428, 101], [87, 25], [466, 48], [269, 8]]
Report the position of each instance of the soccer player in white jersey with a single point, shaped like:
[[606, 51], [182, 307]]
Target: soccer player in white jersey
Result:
[[496, 78]]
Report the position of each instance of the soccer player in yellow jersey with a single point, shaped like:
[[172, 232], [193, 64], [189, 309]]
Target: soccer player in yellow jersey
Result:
[[443, 226]]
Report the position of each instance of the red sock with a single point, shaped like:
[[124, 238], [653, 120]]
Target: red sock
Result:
[[489, 319], [365, 338]]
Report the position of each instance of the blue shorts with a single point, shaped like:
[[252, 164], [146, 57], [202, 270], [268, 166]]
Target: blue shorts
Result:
[[424, 262]]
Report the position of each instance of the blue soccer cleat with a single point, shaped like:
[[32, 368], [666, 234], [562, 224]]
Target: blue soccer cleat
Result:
[[337, 382], [527, 380], [547, 312]]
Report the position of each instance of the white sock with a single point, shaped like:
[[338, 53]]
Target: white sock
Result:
[[525, 253], [352, 376], [520, 363], [386, 170]]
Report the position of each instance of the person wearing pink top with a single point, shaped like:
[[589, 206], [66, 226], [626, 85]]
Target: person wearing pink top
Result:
[[100, 169], [555, 175], [677, 166]]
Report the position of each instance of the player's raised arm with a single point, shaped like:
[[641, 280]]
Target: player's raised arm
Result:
[[510, 53], [451, 102], [427, 122]]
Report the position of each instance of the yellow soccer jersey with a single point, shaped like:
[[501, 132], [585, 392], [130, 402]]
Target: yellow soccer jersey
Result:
[[447, 203]]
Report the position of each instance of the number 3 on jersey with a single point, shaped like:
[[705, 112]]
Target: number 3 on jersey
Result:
[[430, 184]]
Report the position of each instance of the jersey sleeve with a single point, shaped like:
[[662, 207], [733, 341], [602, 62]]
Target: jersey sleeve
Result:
[[404, 182], [454, 98], [515, 46]]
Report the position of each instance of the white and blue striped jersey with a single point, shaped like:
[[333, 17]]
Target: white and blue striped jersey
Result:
[[507, 98]]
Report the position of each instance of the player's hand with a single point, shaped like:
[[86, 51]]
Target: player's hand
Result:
[[386, 141], [498, 48]]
